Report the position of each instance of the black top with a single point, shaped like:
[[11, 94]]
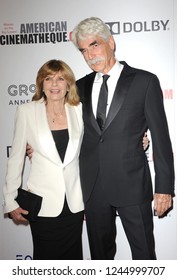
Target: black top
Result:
[[61, 138]]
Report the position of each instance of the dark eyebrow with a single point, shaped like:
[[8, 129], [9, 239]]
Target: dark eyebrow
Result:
[[91, 44]]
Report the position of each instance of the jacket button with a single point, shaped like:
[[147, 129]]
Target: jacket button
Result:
[[101, 140]]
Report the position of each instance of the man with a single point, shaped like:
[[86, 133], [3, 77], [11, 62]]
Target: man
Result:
[[115, 175]]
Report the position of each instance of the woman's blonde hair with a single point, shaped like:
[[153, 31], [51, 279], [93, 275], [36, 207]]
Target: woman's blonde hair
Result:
[[51, 67]]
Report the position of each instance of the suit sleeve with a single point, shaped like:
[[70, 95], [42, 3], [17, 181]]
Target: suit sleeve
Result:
[[15, 162], [161, 143]]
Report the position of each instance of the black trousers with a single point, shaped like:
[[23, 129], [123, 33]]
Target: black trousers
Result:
[[58, 238], [137, 221]]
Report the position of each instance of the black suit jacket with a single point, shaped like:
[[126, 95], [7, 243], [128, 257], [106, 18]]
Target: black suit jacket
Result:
[[116, 154]]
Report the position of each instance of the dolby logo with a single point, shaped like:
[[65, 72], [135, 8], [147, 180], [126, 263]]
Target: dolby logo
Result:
[[138, 26]]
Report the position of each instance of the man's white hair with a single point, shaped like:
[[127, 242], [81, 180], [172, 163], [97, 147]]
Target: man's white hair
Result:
[[90, 27]]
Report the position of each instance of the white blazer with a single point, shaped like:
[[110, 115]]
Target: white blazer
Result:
[[49, 177]]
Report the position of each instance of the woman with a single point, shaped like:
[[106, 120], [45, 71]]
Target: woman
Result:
[[52, 124]]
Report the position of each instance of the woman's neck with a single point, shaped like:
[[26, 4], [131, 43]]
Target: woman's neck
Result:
[[56, 115]]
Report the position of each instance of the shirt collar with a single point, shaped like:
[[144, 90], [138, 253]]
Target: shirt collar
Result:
[[115, 70]]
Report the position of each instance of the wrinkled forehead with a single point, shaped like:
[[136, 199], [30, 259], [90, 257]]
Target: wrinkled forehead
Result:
[[88, 40]]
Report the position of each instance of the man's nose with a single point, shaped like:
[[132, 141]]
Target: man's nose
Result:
[[90, 54]]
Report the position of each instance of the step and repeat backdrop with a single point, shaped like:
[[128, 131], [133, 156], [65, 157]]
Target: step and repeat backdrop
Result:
[[32, 32]]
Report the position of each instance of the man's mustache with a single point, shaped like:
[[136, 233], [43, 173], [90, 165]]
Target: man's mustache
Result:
[[95, 60]]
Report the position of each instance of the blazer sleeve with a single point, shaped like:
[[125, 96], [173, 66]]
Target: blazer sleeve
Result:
[[15, 162], [161, 143]]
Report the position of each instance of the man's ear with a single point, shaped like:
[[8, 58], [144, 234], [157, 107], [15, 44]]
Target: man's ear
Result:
[[112, 43]]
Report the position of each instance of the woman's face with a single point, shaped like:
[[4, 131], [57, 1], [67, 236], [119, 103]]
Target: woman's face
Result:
[[55, 87]]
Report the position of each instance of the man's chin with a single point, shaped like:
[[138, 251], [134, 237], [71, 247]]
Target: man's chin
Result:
[[95, 68]]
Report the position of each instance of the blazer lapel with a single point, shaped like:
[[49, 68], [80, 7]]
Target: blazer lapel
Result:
[[75, 133], [120, 93], [44, 133]]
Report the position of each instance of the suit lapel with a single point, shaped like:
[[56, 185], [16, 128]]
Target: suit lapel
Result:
[[121, 91], [88, 100], [88, 96]]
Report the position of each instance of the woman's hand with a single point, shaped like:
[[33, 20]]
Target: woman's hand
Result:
[[17, 217], [145, 141], [29, 151]]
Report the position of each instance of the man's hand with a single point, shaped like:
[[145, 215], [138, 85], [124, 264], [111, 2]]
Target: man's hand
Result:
[[162, 202], [29, 151], [145, 141], [17, 217]]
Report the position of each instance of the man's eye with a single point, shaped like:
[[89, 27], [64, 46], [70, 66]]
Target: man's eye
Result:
[[83, 51]]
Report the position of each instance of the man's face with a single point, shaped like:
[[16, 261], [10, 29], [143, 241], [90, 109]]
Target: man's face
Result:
[[98, 54]]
